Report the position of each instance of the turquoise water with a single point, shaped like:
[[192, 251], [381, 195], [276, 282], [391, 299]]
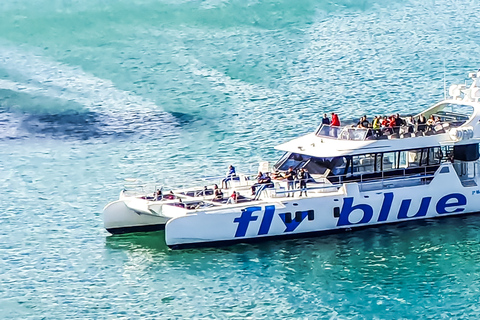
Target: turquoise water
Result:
[[96, 91]]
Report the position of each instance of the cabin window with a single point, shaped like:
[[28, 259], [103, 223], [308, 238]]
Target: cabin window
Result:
[[363, 163], [414, 157], [424, 159], [434, 156], [402, 159], [389, 161]]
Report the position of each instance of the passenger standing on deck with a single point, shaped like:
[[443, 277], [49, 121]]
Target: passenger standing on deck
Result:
[[325, 120], [290, 176], [421, 122], [410, 123], [376, 126], [158, 195], [335, 120], [303, 177], [231, 174], [335, 124]]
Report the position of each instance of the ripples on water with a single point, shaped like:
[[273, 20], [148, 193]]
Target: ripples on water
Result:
[[94, 92]]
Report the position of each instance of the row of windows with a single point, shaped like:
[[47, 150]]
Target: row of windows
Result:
[[375, 162]]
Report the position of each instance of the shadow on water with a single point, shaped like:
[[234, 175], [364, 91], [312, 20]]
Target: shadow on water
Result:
[[31, 116], [184, 118]]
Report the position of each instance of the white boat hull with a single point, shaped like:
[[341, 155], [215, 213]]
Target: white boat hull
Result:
[[332, 212], [119, 218]]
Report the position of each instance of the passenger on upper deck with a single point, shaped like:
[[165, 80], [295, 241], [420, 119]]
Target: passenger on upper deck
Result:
[[362, 123], [397, 123], [325, 119], [421, 123], [410, 123], [334, 125], [430, 122], [365, 122], [376, 126], [158, 195], [335, 120]]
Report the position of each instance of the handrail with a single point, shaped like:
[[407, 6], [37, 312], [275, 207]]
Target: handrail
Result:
[[310, 188], [405, 131], [382, 178]]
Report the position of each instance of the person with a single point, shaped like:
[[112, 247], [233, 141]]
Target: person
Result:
[[410, 122], [360, 123], [421, 122], [290, 176], [430, 122], [217, 193], [277, 175], [233, 198], [231, 174], [334, 124], [170, 196], [384, 122], [335, 120], [325, 120], [261, 179], [303, 177], [158, 195], [365, 122], [376, 126]]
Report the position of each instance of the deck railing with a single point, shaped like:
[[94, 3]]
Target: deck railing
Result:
[[371, 181], [405, 131]]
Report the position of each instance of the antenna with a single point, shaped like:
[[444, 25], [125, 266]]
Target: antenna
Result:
[[444, 83]]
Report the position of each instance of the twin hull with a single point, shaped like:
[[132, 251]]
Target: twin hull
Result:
[[347, 208]]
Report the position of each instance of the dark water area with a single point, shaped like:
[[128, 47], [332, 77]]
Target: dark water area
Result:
[[94, 92]]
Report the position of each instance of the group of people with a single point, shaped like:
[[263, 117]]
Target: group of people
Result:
[[295, 179], [389, 125], [335, 122], [393, 123]]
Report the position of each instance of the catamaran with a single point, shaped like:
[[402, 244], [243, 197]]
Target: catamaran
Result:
[[357, 177]]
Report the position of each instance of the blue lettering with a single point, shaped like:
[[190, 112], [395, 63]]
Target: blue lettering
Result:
[[442, 204], [244, 220], [294, 223], [386, 205], [422, 211], [347, 209], [267, 220]]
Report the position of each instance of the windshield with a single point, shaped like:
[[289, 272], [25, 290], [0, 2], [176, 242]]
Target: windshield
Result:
[[313, 165]]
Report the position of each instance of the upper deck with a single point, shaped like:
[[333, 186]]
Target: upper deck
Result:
[[455, 120]]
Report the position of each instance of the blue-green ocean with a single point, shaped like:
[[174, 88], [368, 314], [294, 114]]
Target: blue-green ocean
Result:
[[93, 92]]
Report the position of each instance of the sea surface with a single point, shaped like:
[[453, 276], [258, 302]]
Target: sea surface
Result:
[[93, 92]]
